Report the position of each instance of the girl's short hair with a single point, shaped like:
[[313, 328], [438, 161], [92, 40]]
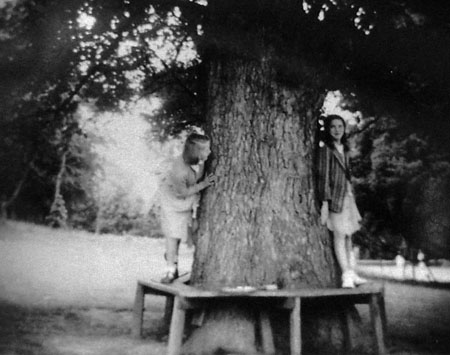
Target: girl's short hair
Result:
[[191, 147], [328, 139]]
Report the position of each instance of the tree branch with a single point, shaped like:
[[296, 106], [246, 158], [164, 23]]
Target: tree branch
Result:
[[190, 6], [175, 77], [371, 123], [91, 72]]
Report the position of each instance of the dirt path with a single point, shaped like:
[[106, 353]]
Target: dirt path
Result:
[[71, 293], [72, 331]]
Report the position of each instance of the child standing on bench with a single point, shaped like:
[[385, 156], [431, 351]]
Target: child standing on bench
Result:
[[339, 211], [180, 197]]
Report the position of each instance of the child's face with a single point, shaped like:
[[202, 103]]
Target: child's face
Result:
[[337, 130], [204, 150]]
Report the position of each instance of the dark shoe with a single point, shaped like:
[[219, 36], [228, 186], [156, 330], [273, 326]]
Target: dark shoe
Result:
[[170, 277]]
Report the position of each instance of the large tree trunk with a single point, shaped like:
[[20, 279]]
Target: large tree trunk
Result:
[[260, 222]]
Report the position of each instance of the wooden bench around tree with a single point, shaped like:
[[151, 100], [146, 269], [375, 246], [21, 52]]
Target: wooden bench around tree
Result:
[[181, 297]]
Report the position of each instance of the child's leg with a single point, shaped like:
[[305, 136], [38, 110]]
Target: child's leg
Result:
[[172, 245], [340, 250], [349, 250], [357, 280]]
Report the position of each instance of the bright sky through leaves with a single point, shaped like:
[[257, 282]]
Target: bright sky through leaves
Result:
[[86, 21], [127, 159]]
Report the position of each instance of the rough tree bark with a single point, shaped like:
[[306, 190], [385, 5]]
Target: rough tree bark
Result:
[[260, 221]]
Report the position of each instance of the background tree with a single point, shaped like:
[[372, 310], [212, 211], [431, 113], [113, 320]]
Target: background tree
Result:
[[394, 166], [51, 60]]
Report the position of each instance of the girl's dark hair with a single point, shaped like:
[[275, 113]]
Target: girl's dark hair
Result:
[[191, 149], [328, 139]]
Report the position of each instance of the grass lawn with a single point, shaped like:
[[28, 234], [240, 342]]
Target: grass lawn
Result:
[[71, 293]]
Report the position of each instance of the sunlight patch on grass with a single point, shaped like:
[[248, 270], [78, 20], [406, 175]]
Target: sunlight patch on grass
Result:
[[44, 266]]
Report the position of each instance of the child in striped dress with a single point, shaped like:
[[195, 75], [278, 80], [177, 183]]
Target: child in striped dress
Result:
[[339, 211]]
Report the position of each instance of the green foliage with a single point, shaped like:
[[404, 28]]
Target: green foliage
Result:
[[401, 180], [78, 186], [49, 64], [120, 215], [426, 211], [82, 212]]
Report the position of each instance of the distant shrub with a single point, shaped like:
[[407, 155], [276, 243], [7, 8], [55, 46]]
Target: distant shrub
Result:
[[121, 215]]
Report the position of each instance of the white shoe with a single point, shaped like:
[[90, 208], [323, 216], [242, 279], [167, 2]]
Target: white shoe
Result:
[[357, 280], [347, 280]]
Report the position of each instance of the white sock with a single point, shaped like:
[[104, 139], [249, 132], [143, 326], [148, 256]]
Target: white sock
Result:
[[171, 269]]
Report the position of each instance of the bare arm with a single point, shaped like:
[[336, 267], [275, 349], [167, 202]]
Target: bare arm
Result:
[[178, 184], [201, 170]]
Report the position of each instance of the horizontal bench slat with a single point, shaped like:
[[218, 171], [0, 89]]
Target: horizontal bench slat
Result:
[[183, 290]]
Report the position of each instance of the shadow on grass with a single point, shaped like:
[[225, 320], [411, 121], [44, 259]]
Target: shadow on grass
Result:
[[57, 331]]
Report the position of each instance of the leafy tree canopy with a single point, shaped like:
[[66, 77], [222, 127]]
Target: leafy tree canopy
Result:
[[390, 58], [393, 55]]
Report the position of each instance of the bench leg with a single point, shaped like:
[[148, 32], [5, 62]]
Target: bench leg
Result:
[[168, 311], [176, 328], [138, 311], [377, 323], [383, 313], [295, 328], [266, 333], [348, 330]]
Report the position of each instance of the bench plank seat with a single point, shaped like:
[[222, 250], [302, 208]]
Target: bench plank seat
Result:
[[190, 297], [186, 291]]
